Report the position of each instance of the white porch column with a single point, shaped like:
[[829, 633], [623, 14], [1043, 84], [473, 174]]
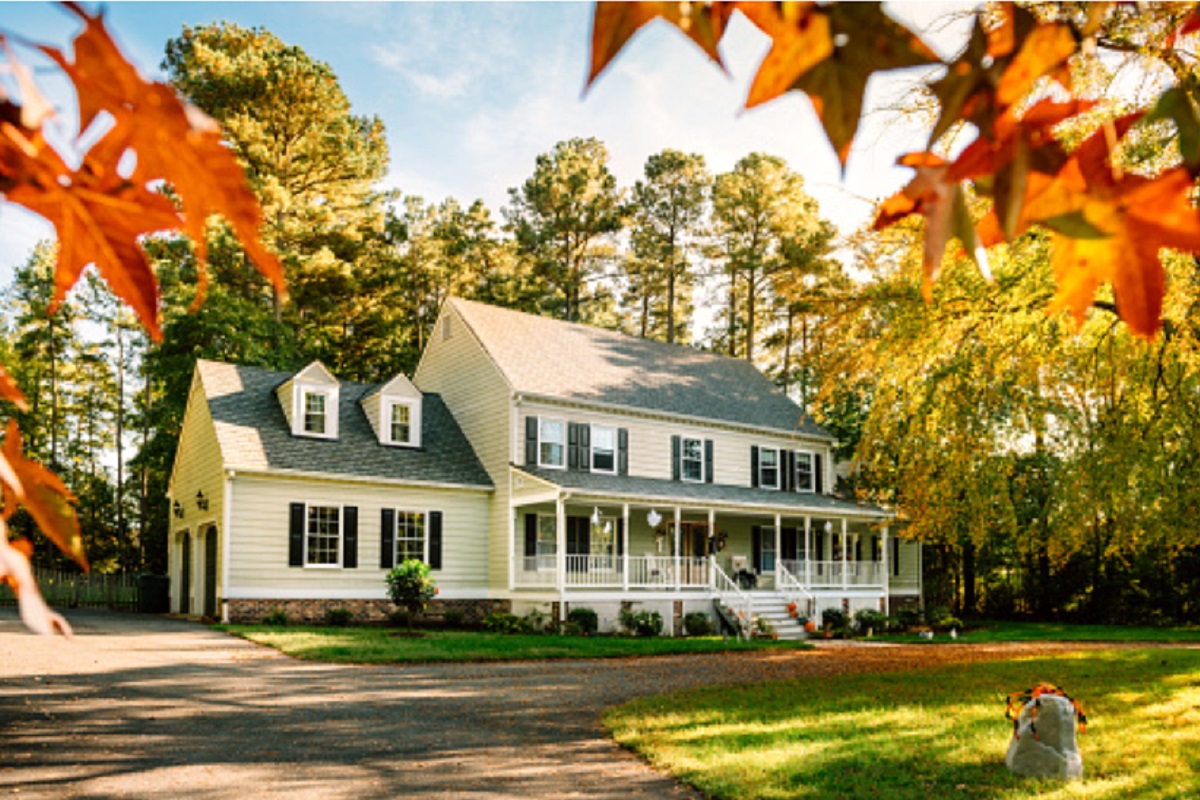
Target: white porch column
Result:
[[560, 542], [845, 576], [778, 547], [625, 547], [884, 572], [712, 538], [513, 522], [808, 551], [675, 559]]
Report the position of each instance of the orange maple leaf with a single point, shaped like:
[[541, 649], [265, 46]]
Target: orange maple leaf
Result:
[[800, 38], [173, 141], [30, 485], [613, 24], [1043, 52], [10, 391], [942, 203], [1110, 227]]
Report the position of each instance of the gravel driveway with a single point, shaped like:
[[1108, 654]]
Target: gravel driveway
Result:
[[148, 707]]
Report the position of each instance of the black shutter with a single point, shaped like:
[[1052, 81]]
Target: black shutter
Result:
[[531, 531], [819, 473], [756, 548], [699, 542], [621, 537], [708, 461], [623, 451], [350, 537], [789, 471], [858, 549], [387, 538], [895, 556], [754, 465], [585, 448], [819, 536], [531, 441], [676, 454], [296, 536], [788, 545], [435, 540], [572, 446]]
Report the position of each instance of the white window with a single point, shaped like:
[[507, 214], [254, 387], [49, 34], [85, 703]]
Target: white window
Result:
[[547, 543], [410, 536], [317, 412], [552, 441], [805, 474], [604, 450], [691, 466], [768, 468], [323, 537], [402, 423]]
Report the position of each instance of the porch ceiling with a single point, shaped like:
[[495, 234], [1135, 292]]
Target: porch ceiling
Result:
[[654, 491]]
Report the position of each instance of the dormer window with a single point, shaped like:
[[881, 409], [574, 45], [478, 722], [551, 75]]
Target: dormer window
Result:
[[402, 422], [318, 412]]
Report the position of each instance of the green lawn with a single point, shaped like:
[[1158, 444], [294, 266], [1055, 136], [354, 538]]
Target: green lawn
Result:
[[983, 632], [929, 734], [387, 646]]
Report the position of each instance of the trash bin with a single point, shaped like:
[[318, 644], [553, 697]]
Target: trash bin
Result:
[[154, 594]]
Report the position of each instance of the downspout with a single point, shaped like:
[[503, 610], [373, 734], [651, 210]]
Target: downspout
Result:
[[226, 540]]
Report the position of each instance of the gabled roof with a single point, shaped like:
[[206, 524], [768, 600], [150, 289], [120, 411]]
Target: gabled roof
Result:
[[573, 362], [253, 434]]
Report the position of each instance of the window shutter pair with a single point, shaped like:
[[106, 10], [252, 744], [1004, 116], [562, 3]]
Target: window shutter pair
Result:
[[531, 441], [387, 538], [579, 446], [349, 530]]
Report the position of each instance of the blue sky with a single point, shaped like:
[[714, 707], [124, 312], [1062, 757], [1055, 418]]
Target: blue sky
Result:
[[471, 93]]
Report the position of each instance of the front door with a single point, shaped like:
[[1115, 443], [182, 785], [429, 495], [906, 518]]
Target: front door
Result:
[[693, 539], [210, 572]]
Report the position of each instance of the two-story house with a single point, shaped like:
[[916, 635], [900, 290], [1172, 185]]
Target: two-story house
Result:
[[560, 465]]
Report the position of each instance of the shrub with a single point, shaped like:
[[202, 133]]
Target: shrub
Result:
[[410, 587], [833, 619], [502, 622], [908, 618], [762, 629], [398, 617], [697, 623], [276, 617], [338, 617], [586, 619], [868, 619], [538, 621], [453, 619], [641, 623]]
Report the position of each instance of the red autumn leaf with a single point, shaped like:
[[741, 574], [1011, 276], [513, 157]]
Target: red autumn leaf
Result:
[[97, 215], [941, 202], [43, 495], [1137, 217], [613, 24], [173, 141], [800, 39]]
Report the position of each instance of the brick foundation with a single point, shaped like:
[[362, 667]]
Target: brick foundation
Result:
[[904, 602], [363, 611]]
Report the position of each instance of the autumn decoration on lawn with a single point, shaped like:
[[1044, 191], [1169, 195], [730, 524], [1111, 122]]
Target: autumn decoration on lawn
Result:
[[1013, 85], [142, 136]]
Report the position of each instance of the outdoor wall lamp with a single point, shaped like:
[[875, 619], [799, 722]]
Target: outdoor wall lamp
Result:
[[178, 509], [201, 501]]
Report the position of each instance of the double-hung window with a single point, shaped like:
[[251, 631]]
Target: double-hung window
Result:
[[768, 467], [402, 422], [552, 440], [805, 472], [410, 536], [323, 536], [316, 412], [691, 462], [604, 449]]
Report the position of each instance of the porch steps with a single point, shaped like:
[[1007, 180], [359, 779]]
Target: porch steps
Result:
[[773, 607]]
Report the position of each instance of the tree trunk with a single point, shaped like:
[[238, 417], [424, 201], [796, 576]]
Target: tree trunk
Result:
[[671, 293]]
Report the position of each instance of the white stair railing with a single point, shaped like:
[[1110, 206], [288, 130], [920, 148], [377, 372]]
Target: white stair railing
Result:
[[732, 599], [795, 592]]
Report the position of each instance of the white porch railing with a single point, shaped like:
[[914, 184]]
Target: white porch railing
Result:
[[608, 572], [835, 574], [732, 598]]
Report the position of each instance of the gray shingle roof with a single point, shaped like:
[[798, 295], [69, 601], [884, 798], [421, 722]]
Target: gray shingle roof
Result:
[[548, 357], [672, 492], [253, 433]]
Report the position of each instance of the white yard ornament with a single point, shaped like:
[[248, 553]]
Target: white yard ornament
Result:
[[653, 518]]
